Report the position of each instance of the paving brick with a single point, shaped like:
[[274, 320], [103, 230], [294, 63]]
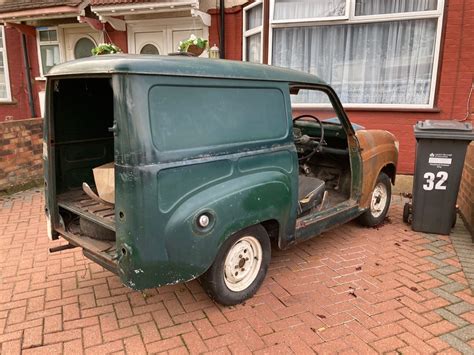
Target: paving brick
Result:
[[452, 318], [461, 307], [411, 298], [92, 336], [465, 333], [134, 345], [388, 344], [194, 342], [32, 337], [456, 343], [163, 345]]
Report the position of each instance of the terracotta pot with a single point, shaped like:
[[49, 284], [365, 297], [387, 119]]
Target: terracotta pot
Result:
[[197, 51]]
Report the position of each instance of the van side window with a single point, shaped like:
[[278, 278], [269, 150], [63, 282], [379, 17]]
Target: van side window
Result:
[[321, 107], [187, 117]]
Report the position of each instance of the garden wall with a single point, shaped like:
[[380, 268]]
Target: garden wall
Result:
[[21, 147]]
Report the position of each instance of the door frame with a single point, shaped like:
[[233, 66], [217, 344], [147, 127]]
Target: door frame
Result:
[[62, 29], [167, 25]]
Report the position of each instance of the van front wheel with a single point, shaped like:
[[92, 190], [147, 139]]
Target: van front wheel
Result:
[[240, 267], [379, 202]]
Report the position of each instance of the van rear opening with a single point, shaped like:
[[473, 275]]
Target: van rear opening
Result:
[[82, 113]]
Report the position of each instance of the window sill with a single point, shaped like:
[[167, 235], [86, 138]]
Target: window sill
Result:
[[11, 102], [374, 109], [40, 78], [393, 109]]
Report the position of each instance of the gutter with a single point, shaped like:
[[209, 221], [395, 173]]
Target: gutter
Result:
[[222, 29], [31, 101]]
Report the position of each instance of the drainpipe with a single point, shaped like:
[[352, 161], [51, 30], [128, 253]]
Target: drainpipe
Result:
[[28, 75], [222, 30]]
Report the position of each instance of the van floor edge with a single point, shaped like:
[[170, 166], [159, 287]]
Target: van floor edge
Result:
[[76, 201]]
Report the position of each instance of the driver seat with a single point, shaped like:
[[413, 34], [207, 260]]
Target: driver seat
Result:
[[310, 192]]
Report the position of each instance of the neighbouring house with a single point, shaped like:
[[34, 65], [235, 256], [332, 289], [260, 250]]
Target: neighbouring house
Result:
[[391, 62]]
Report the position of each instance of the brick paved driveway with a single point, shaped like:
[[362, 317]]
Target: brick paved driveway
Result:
[[353, 290]]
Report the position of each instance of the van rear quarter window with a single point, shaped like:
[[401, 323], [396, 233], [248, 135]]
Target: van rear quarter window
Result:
[[187, 117]]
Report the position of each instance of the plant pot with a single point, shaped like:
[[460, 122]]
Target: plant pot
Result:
[[195, 50]]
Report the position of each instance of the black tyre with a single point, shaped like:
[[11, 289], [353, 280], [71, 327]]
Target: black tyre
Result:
[[379, 202], [240, 266], [407, 213]]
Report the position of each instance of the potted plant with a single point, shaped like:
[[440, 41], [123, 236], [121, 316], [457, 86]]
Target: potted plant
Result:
[[106, 48], [194, 45]]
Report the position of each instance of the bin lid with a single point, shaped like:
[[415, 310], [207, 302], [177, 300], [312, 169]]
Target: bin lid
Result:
[[444, 129]]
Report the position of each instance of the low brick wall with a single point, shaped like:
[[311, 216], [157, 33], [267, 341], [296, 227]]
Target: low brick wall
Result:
[[21, 147], [466, 192]]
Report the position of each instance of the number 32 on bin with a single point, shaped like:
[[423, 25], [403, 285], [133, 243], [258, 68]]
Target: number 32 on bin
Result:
[[430, 181]]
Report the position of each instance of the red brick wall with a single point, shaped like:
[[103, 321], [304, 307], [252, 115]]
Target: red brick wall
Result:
[[19, 108], [466, 192], [20, 152], [233, 31], [119, 38]]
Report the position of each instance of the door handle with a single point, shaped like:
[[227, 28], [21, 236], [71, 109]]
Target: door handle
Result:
[[114, 128]]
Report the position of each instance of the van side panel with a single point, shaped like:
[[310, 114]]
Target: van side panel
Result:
[[162, 189]]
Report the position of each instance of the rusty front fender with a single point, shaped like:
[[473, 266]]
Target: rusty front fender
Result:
[[379, 153]]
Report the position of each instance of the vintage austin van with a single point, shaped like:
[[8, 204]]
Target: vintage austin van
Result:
[[211, 163]]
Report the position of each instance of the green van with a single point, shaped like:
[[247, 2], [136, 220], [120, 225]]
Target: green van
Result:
[[212, 161]]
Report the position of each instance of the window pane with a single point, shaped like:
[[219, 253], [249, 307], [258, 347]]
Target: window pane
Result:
[[317, 96], [149, 49], [254, 17], [374, 7], [48, 36], [83, 48], [49, 56], [373, 63], [254, 48], [297, 9]]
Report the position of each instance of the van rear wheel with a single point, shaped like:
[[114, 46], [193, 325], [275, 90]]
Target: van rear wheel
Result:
[[240, 267]]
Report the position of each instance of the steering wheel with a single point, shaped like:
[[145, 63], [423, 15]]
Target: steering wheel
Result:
[[321, 138]]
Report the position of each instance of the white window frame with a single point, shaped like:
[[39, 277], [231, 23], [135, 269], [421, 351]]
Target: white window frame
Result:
[[47, 43], [253, 31], [353, 19], [5, 68]]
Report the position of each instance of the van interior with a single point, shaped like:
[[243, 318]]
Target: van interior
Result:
[[325, 178], [82, 114]]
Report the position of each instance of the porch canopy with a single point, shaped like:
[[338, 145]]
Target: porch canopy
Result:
[[26, 10], [106, 9]]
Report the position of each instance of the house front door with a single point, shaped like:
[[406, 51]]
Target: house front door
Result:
[[79, 41], [162, 37], [152, 42]]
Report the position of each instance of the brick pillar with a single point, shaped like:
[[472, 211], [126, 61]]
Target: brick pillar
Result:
[[466, 191]]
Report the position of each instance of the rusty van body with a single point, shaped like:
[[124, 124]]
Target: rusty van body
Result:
[[210, 163]]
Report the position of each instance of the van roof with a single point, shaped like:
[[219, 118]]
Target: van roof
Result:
[[180, 66]]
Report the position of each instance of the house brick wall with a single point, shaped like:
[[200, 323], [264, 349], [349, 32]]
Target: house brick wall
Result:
[[19, 109], [233, 31], [466, 191], [21, 147]]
